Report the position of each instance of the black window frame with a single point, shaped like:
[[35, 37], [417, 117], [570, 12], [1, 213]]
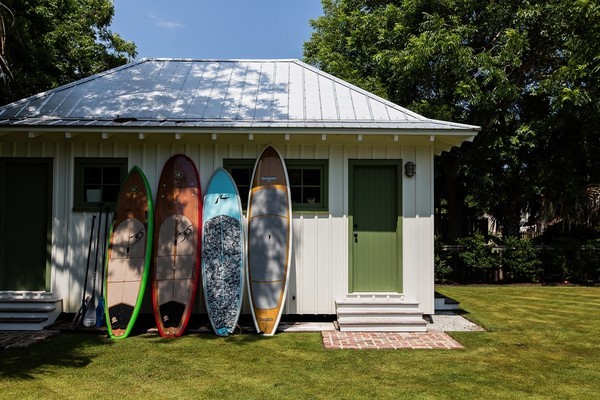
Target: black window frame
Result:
[[80, 203]]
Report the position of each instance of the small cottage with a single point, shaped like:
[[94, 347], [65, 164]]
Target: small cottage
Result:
[[361, 172]]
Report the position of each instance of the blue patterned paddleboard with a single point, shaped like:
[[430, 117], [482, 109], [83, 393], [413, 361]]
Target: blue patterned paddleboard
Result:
[[222, 252]]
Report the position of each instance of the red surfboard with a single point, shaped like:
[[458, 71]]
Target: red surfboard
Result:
[[177, 235], [128, 256]]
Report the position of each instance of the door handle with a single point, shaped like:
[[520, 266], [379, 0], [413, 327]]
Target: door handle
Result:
[[355, 233]]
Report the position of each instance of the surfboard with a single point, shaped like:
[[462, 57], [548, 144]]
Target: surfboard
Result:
[[222, 252], [269, 240], [176, 260], [128, 255]]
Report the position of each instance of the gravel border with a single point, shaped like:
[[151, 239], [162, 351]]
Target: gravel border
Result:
[[447, 321]]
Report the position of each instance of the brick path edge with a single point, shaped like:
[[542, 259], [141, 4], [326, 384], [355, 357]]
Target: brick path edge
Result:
[[389, 340]]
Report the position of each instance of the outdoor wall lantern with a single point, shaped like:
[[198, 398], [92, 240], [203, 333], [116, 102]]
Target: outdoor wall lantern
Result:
[[410, 169]]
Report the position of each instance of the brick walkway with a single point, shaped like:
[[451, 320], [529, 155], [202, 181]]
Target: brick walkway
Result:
[[388, 340], [23, 339]]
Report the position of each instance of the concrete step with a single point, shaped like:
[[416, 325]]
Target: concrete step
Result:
[[443, 303], [379, 313], [20, 313]]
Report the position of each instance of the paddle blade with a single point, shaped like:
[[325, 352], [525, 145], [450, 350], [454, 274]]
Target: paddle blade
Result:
[[100, 313], [89, 318], [80, 313]]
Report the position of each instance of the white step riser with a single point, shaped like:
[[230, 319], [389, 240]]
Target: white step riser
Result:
[[377, 310], [378, 314], [15, 313], [382, 320], [23, 327], [371, 328], [26, 307], [371, 306], [364, 316]]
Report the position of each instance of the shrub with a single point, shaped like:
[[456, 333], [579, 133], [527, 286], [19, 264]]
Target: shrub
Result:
[[478, 256], [520, 261], [442, 268], [573, 260]]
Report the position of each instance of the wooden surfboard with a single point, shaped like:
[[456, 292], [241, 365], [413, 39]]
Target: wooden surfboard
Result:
[[128, 256], [176, 245], [269, 240], [223, 252]]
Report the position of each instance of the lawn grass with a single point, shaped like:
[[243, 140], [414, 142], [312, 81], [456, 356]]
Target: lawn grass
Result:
[[541, 343]]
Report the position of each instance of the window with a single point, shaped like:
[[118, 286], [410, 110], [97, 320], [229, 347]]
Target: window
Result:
[[308, 181], [97, 180], [241, 172]]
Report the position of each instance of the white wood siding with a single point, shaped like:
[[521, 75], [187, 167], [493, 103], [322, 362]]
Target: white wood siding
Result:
[[319, 273]]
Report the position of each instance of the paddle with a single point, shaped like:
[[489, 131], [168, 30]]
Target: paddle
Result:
[[84, 300], [90, 316], [100, 308]]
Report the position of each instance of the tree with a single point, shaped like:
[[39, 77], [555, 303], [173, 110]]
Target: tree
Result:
[[54, 42], [528, 72]]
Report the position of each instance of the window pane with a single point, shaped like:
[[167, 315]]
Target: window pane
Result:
[[112, 175], [296, 195], [312, 177], [312, 195], [92, 193], [241, 176], [110, 193], [244, 193], [92, 175], [295, 176]]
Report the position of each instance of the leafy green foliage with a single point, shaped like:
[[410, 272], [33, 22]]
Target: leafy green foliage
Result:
[[442, 268], [572, 260], [477, 254], [54, 42], [520, 261], [527, 72]]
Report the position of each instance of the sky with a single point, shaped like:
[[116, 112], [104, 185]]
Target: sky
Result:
[[216, 29]]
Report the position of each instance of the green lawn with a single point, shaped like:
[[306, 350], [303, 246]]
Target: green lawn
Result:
[[541, 343]]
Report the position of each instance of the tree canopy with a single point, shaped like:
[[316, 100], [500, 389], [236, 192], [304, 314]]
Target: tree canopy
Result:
[[48, 43], [528, 72]]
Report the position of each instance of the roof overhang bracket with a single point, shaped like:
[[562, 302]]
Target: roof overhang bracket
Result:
[[32, 135]]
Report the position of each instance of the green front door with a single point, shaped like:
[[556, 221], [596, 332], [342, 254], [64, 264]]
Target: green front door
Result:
[[375, 226], [24, 223]]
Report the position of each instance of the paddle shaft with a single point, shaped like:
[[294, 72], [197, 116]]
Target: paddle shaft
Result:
[[100, 308], [91, 318], [83, 308]]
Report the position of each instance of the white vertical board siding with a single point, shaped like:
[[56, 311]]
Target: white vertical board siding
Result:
[[425, 250], [319, 272], [417, 224]]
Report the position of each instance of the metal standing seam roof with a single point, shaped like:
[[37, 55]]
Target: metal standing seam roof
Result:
[[187, 93]]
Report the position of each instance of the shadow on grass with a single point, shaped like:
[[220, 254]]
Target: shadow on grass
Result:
[[241, 339], [66, 350]]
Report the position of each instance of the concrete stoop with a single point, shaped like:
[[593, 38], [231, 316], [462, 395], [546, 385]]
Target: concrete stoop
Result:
[[28, 311], [379, 313]]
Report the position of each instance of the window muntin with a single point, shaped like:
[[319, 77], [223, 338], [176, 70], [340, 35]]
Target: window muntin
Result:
[[97, 180]]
